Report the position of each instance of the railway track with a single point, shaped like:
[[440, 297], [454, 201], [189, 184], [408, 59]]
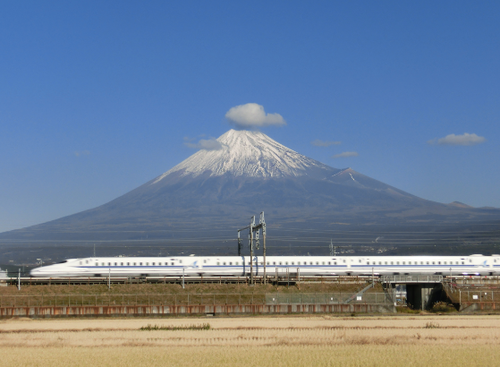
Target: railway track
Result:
[[280, 280]]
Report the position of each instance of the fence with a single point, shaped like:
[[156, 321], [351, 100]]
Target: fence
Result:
[[472, 295], [189, 299]]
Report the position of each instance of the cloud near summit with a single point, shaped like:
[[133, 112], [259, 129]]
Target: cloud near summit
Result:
[[323, 143], [252, 115], [205, 144]]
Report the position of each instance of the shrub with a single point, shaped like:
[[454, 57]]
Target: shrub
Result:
[[442, 307], [150, 327]]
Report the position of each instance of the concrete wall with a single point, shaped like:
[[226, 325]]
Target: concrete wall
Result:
[[61, 311]]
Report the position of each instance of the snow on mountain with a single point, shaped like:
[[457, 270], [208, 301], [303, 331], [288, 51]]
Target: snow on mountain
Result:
[[247, 153]]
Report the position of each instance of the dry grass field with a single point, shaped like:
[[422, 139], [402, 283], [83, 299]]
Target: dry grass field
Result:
[[253, 341]]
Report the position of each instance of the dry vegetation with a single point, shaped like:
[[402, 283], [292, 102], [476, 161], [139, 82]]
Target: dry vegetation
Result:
[[259, 341], [140, 294], [149, 288]]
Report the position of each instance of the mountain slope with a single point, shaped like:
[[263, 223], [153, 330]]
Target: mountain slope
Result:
[[248, 173]]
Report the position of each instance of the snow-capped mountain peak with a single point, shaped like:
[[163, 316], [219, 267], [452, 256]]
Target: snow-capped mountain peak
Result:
[[246, 153]]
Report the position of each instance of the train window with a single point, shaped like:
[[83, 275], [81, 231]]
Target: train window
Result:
[[323, 263], [128, 264], [274, 262], [121, 264], [439, 262], [445, 263], [344, 261], [386, 263], [293, 263], [224, 263], [81, 262], [335, 263], [230, 263], [329, 263], [109, 264], [236, 263], [392, 262], [380, 262], [140, 264], [135, 264], [102, 264], [433, 263], [86, 261], [218, 263], [367, 263], [404, 262], [317, 262], [204, 261], [97, 264], [172, 264], [311, 263], [360, 261], [280, 263], [153, 264], [286, 263], [463, 263], [427, 263], [180, 261]]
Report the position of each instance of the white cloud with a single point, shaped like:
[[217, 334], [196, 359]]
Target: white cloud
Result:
[[206, 144], [323, 143], [452, 139], [253, 115], [82, 152], [346, 155]]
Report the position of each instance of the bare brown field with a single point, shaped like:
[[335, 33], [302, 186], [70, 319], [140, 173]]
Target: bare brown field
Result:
[[254, 341]]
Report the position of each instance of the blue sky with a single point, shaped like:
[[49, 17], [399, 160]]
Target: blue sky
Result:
[[97, 97]]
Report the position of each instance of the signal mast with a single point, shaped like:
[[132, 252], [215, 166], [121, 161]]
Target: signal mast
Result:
[[254, 242]]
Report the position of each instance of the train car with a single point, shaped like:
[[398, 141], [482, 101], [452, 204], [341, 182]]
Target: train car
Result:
[[241, 266]]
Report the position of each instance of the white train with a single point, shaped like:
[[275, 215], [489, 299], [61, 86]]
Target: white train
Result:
[[240, 266]]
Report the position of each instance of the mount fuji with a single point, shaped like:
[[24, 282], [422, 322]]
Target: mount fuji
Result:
[[214, 192]]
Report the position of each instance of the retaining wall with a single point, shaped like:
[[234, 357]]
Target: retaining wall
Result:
[[162, 310]]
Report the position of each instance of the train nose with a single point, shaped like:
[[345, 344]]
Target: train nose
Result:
[[36, 272]]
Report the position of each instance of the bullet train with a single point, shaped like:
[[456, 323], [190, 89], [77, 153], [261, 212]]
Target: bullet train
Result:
[[240, 266]]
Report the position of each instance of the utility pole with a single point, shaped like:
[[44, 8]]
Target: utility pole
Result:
[[252, 225], [239, 243], [262, 223], [254, 240]]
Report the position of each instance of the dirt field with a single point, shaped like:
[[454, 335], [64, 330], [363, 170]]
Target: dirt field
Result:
[[253, 341]]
